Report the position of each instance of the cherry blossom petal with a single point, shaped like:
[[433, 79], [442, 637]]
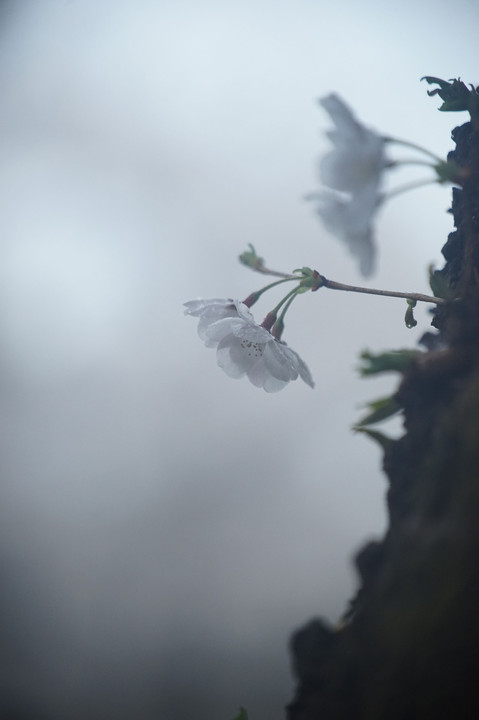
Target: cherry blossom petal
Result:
[[350, 221], [209, 311], [358, 156], [352, 172]]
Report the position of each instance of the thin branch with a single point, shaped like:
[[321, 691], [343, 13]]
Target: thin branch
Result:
[[333, 285], [407, 187], [265, 271], [419, 297], [413, 146]]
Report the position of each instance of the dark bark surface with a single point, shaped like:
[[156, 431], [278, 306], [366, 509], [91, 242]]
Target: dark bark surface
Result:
[[408, 648]]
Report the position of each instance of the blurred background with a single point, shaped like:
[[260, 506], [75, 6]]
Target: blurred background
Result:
[[164, 529]]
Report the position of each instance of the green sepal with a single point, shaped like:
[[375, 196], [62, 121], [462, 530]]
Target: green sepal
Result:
[[391, 361], [380, 410], [383, 440], [311, 279], [455, 94], [251, 259], [409, 318], [243, 715], [305, 271]]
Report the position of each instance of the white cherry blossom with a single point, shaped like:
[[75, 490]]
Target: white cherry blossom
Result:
[[245, 348], [357, 159]]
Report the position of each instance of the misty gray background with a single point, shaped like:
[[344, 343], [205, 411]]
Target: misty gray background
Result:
[[163, 528]]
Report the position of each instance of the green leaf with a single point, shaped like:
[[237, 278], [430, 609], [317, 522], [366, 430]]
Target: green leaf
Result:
[[243, 715], [383, 440], [392, 361], [448, 172], [380, 410], [438, 282], [455, 94]]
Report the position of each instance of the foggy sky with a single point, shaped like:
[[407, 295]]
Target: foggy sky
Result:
[[164, 528]]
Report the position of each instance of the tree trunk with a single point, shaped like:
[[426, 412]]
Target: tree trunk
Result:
[[408, 648]]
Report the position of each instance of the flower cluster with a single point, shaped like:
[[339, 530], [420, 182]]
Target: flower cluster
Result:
[[352, 173], [245, 348]]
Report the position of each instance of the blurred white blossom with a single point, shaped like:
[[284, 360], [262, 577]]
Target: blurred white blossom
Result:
[[358, 156], [352, 172], [245, 348], [349, 219]]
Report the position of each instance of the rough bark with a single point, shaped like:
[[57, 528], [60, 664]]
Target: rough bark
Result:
[[408, 648]]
